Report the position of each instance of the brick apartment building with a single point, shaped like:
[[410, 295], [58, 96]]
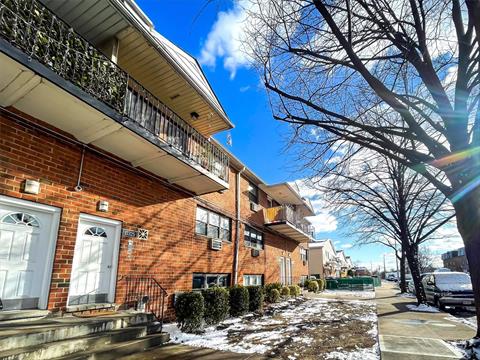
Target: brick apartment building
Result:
[[456, 260], [104, 177]]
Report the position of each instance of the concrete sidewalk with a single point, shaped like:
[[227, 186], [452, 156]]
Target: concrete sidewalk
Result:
[[409, 335], [183, 352]]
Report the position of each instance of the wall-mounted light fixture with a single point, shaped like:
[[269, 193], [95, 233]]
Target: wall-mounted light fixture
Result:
[[31, 187], [102, 206], [194, 116]]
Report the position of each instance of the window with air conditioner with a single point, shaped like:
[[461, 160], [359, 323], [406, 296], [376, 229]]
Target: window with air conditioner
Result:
[[212, 224], [304, 254], [253, 193], [253, 238]]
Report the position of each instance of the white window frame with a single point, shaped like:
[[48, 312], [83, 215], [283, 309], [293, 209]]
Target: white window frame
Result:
[[253, 280], [221, 224]]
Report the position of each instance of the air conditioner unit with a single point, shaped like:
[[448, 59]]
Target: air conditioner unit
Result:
[[216, 244], [255, 252], [254, 207]]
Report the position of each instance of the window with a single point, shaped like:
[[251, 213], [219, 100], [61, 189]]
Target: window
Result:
[[21, 219], [303, 278], [253, 238], [212, 224], [96, 231], [304, 254], [204, 281], [255, 280], [253, 192]]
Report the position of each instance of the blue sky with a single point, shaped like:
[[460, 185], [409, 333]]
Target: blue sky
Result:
[[209, 33]]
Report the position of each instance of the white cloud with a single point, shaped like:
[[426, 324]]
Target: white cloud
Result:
[[244, 88], [225, 40], [346, 246]]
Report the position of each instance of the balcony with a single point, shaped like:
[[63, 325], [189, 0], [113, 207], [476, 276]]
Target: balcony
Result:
[[286, 221], [50, 72]]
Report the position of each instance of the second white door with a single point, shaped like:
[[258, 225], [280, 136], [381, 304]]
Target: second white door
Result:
[[95, 261]]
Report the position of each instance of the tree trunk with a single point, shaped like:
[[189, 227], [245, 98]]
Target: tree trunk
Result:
[[467, 210], [403, 282], [412, 258]]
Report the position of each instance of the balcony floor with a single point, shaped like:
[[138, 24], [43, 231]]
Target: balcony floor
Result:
[[289, 230], [24, 86]]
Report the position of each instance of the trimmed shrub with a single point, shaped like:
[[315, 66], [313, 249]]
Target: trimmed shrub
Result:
[[255, 298], [239, 302], [189, 311], [295, 290], [271, 286], [273, 295], [285, 291], [217, 305], [321, 285], [312, 286]]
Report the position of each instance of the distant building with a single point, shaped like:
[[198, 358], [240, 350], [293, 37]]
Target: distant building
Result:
[[456, 260], [325, 261]]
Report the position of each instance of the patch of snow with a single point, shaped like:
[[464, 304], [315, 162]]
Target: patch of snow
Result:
[[364, 354], [469, 321], [406, 295], [357, 294], [422, 308]]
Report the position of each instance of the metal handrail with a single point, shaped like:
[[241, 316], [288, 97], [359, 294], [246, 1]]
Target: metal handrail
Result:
[[39, 33], [144, 293]]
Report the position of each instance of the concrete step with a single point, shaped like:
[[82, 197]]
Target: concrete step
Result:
[[14, 335], [70, 346], [115, 351], [22, 315]]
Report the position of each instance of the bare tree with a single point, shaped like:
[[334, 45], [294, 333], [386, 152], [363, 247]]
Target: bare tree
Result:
[[426, 260], [337, 65], [382, 201]]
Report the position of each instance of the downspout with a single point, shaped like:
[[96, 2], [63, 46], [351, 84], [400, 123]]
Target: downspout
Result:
[[237, 226]]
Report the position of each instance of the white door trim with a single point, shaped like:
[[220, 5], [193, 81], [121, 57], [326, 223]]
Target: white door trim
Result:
[[52, 244], [116, 248]]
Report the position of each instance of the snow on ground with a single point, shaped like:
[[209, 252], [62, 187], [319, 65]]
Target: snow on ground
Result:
[[406, 295], [422, 308], [465, 318], [296, 329], [348, 293]]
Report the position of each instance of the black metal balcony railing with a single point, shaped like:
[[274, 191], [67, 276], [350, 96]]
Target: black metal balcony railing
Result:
[[40, 34], [287, 214]]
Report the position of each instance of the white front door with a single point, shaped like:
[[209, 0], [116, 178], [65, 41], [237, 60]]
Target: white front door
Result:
[[94, 261], [28, 233]]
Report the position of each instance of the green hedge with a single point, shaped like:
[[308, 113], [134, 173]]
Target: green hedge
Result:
[[271, 286], [312, 285], [239, 300], [272, 295], [321, 284], [217, 305], [295, 290], [255, 298], [285, 291], [189, 311]]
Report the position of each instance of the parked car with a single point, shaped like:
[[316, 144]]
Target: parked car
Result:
[[391, 277], [452, 289]]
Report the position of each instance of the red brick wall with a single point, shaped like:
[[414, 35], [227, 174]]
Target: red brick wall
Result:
[[171, 253]]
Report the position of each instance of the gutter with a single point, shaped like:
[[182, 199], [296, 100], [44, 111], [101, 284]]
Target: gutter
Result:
[[237, 225]]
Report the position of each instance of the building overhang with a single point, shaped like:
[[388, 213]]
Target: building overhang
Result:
[[289, 230], [34, 89], [165, 70], [285, 194]]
